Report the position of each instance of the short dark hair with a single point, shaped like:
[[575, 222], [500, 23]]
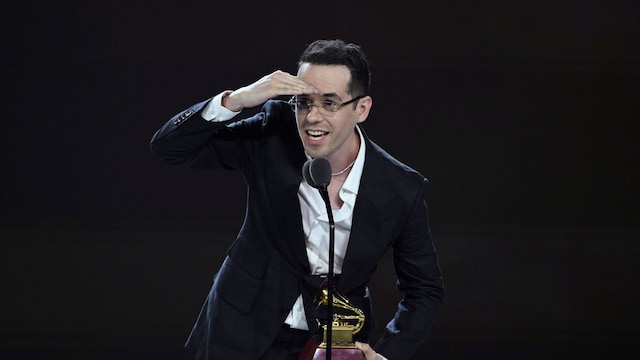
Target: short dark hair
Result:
[[338, 52]]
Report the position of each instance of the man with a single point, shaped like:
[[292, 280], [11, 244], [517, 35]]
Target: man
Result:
[[261, 303]]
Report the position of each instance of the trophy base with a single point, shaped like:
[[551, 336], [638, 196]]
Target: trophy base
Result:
[[339, 354]]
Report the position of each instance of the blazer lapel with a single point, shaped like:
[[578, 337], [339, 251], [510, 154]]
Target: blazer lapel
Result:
[[372, 223], [283, 190]]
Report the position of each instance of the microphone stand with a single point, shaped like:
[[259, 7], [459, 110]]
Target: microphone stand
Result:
[[332, 229], [317, 173]]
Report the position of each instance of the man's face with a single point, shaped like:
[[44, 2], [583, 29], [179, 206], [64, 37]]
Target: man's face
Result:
[[330, 134]]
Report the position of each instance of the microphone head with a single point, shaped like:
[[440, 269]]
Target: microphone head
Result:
[[317, 172]]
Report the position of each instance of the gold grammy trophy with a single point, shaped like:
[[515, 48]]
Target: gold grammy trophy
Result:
[[347, 320]]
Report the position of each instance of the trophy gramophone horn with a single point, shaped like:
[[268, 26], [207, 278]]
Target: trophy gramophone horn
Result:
[[347, 319], [349, 316]]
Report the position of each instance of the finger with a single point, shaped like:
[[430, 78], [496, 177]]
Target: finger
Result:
[[367, 351], [293, 82], [282, 83], [295, 86]]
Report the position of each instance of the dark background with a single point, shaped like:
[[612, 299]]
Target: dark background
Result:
[[523, 114]]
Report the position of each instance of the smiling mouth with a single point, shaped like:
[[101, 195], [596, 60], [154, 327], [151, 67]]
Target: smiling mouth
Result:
[[316, 134]]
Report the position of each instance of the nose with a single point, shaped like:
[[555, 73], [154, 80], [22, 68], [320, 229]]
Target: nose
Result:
[[313, 114]]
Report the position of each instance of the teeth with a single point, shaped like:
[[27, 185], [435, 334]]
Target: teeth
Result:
[[315, 133]]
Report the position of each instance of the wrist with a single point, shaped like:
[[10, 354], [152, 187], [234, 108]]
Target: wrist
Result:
[[229, 101]]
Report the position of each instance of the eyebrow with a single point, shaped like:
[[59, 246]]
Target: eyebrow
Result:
[[331, 95], [325, 95]]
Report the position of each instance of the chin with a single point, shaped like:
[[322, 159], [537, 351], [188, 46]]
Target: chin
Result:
[[313, 151]]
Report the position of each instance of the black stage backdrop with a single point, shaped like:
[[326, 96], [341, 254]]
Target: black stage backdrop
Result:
[[523, 114]]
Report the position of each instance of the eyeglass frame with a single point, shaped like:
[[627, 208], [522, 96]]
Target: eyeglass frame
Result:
[[335, 108]]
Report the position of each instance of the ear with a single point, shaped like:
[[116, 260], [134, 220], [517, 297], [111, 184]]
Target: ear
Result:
[[364, 106]]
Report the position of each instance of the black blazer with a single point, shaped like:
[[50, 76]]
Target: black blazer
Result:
[[266, 267]]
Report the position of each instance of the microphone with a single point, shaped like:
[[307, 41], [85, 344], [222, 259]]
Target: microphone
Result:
[[317, 173]]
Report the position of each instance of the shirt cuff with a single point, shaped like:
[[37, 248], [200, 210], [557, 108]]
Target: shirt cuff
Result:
[[214, 111]]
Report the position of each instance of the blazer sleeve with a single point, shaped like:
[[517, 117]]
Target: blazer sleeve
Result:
[[188, 140], [420, 279]]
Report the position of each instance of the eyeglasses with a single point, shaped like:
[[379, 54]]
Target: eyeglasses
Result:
[[303, 106]]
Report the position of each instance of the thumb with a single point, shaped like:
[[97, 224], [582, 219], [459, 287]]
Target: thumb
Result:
[[368, 352]]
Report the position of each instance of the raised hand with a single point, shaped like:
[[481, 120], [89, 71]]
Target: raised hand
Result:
[[268, 87]]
